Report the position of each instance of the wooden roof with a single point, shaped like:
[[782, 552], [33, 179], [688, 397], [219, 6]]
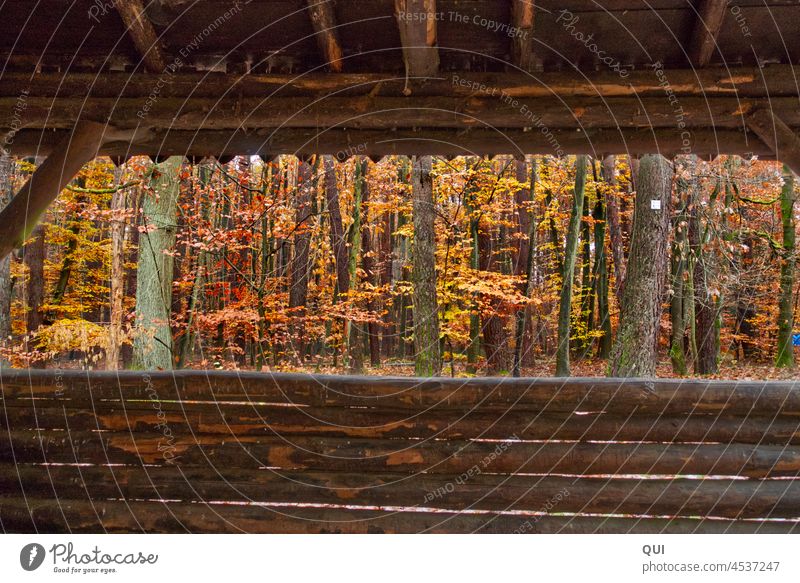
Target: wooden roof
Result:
[[279, 76]]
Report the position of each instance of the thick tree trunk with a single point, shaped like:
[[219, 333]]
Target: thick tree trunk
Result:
[[634, 351], [427, 352], [153, 342], [568, 270], [785, 354], [338, 241]]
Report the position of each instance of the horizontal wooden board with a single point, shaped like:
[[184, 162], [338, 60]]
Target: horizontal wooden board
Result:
[[660, 396], [252, 419], [664, 497], [55, 516], [398, 455]]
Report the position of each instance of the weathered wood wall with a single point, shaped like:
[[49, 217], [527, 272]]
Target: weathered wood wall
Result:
[[198, 451]]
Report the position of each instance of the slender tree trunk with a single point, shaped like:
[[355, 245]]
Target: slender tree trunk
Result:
[[568, 270], [705, 305], [6, 283], [473, 348], [368, 264], [785, 352], [614, 226], [678, 257], [527, 256], [355, 345], [153, 342], [601, 277], [634, 352], [118, 222], [300, 268], [427, 357]]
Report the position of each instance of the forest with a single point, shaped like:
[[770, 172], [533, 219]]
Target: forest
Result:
[[523, 266]]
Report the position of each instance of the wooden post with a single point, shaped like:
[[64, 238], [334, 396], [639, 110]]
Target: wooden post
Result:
[[142, 34], [21, 215], [522, 13], [779, 137], [417, 22], [323, 20], [711, 13]]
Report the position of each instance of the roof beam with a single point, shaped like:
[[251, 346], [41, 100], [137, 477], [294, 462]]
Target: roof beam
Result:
[[67, 156], [711, 14], [744, 82], [522, 14], [323, 20], [366, 112], [417, 22], [142, 34], [343, 143], [778, 137]]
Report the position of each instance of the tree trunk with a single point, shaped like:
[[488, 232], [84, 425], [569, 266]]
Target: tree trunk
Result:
[[634, 352], [118, 222], [355, 346], [706, 340], [568, 270], [153, 342], [601, 277], [678, 257], [6, 283], [427, 352], [785, 353], [299, 267], [368, 264], [527, 196], [614, 226]]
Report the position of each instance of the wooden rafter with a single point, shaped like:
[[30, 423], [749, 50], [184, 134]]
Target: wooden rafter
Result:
[[743, 82], [522, 12], [68, 155], [142, 34], [711, 14], [323, 20], [269, 142], [417, 22], [778, 137]]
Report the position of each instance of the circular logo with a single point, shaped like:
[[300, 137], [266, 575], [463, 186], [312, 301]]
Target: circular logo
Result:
[[31, 556]]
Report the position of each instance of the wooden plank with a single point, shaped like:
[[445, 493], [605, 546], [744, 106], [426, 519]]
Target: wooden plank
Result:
[[523, 19], [366, 112], [416, 20], [253, 419], [657, 396], [143, 35], [67, 516], [710, 15], [744, 82], [342, 143], [377, 455], [778, 136], [20, 216], [323, 20], [679, 497]]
